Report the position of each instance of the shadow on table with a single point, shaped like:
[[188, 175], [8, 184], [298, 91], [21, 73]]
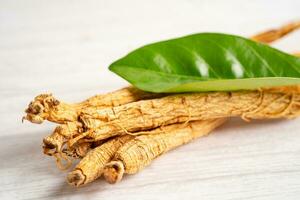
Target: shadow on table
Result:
[[16, 149], [24, 165], [64, 190]]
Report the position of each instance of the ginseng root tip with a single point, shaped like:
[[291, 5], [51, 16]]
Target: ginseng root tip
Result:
[[113, 171], [49, 148], [76, 178]]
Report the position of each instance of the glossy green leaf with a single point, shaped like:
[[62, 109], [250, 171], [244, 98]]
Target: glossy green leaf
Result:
[[207, 62]]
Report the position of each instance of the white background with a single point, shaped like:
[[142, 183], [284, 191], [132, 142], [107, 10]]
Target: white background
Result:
[[64, 47]]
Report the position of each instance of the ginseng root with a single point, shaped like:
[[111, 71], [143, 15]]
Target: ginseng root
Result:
[[54, 142], [46, 107], [78, 151], [275, 34], [149, 114], [139, 152], [90, 167]]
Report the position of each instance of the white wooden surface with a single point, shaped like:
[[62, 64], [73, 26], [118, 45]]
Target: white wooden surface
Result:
[[65, 47]]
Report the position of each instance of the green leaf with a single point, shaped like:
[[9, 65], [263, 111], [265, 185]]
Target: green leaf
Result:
[[207, 62]]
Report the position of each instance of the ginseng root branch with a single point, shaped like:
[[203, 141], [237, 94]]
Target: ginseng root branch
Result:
[[139, 152], [275, 34], [90, 167], [179, 108], [46, 107]]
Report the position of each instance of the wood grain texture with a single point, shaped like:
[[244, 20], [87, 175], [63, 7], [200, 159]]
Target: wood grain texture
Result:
[[65, 47]]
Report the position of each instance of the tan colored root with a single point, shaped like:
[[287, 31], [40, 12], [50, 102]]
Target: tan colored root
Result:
[[275, 34], [119, 97], [54, 145], [54, 142], [46, 107], [81, 148], [91, 166], [64, 158], [113, 171], [79, 151], [139, 152], [179, 108], [284, 89], [63, 161]]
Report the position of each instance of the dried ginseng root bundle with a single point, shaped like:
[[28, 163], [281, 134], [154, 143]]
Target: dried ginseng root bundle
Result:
[[136, 152], [139, 152], [123, 131], [96, 125], [46, 107], [149, 114]]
